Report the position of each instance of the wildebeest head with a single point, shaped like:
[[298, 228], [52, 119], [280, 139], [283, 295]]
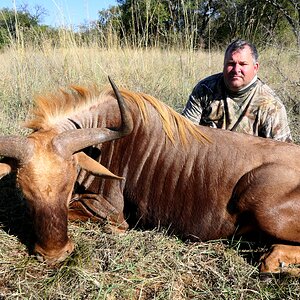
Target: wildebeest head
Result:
[[46, 174]]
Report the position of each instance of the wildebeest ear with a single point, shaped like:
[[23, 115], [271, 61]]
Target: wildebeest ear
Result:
[[90, 165], [5, 169]]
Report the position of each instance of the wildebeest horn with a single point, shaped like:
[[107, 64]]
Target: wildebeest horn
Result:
[[71, 141], [17, 147], [127, 123]]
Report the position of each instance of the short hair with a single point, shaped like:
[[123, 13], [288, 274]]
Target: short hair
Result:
[[240, 44]]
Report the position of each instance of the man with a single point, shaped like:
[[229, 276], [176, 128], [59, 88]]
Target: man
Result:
[[237, 99]]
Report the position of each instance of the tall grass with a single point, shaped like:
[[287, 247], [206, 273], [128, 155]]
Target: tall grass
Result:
[[169, 75], [137, 265]]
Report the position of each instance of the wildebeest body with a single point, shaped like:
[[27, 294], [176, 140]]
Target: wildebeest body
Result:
[[200, 190]]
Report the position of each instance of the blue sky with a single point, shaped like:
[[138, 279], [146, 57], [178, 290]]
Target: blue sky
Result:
[[63, 12]]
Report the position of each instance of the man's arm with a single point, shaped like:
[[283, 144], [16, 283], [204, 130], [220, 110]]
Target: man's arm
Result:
[[276, 124], [199, 99], [193, 109]]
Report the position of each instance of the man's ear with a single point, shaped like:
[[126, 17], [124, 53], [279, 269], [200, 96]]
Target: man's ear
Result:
[[256, 67], [90, 165]]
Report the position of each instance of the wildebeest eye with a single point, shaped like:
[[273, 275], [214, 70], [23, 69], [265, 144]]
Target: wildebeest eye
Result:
[[75, 123], [92, 152]]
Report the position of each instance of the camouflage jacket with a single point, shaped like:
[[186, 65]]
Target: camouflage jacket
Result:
[[255, 110]]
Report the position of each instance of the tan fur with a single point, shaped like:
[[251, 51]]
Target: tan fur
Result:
[[50, 109]]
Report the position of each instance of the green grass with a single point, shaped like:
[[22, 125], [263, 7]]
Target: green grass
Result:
[[139, 264]]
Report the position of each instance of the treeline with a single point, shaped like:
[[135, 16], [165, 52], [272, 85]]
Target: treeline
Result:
[[203, 23], [170, 23]]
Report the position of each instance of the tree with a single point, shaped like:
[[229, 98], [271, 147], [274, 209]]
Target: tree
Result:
[[204, 23], [290, 9], [12, 22]]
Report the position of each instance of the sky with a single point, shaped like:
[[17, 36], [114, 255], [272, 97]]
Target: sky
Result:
[[63, 12]]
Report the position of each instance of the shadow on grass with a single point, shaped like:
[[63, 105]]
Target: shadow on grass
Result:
[[14, 217], [251, 247]]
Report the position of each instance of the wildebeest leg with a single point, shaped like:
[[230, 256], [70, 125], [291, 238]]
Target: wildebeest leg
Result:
[[281, 259], [271, 195], [96, 208]]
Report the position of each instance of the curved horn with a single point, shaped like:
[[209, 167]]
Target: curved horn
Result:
[[17, 147], [71, 141], [127, 123]]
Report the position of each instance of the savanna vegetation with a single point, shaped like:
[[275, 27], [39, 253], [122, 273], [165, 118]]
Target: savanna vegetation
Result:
[[151, 264]]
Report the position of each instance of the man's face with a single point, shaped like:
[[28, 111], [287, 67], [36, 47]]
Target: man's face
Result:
[[239, 69]]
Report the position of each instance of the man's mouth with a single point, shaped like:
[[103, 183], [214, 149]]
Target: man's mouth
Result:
[[236, 77]]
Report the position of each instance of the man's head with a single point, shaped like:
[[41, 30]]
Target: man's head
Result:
[[240, 65]]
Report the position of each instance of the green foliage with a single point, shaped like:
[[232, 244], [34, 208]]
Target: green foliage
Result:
[[190, 24], [11, 22], [202, 23], [290, 10]]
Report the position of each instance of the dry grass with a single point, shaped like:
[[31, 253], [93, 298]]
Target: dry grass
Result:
[[139, 264], [168, 75]]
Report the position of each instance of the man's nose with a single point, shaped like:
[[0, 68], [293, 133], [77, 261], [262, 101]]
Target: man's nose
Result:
[[237, 68]]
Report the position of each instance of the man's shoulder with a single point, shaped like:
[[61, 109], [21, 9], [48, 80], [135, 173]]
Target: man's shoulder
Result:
[[209, 83], [211, 79], [265, 91], [267, 95]]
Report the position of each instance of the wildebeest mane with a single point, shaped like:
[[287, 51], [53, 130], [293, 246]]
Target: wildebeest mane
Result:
[[49, 109], [52, 108]]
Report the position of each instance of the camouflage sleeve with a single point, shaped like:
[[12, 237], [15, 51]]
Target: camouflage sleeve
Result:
[[193, 109], [276, 124], [202, 94]]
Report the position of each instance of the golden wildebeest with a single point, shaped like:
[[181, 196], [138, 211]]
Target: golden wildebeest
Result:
[[199, 182]]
